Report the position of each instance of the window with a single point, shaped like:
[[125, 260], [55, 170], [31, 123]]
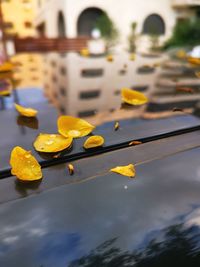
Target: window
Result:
[[63, 91], [87, 21], [61, 25], [86, 113], [63, 71], [154, 24], [89, 94], [91, 73]]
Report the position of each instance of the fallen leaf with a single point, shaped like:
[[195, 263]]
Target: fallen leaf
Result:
[[24, 165], [133, 97], [51, 143], [27, 112], [94, 141], [73, 127], [128, 170]]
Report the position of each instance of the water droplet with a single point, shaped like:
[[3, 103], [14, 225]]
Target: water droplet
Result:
[[49, 142], [27, 156]]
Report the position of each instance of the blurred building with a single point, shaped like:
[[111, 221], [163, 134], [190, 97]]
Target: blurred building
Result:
[[18, 19]]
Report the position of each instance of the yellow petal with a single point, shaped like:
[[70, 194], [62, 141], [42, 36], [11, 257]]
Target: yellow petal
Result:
[[133, 97], [51, 143], [84, 52], [109, 58], [73, 127], [7, 66], [27, 112], [94, 141], [128, 170], [24, 165]]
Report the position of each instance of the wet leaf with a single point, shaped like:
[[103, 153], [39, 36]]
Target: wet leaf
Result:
[[51, 143], [128, 170], [24, 165], [135, 143], [73, 127], [181, 54], [109, 58], [116, 125], [133, 97], [94, 141], [71, 169], [85, 52], [27, 112]]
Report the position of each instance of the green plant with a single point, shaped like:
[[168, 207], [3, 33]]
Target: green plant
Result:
[[108, 30], [186, 32], [132, 38]]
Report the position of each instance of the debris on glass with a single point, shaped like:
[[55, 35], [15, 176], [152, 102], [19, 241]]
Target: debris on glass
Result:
[[24, 165], [135, 143], [116, 127], [71, 169]]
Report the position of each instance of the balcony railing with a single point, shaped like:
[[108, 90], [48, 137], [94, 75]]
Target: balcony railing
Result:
[[182, 3]]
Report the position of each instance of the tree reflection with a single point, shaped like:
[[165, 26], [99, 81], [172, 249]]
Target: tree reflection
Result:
[[174, 246]]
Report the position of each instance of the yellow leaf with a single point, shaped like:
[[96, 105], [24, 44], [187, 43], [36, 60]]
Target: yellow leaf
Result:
[[94, 141], [6, 66], [24, 165], [73, 127], [51, 143], [128, 170], [133, 97], [84, 52], [109, 58], [27, 112]]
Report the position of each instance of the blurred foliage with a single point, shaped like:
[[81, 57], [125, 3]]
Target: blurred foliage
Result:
[[108, 30], [186, 32], [154, 42], [132, 38]]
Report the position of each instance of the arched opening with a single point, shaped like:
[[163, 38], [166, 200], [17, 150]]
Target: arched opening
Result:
[[61, 25], [154, 24], [87, 21]]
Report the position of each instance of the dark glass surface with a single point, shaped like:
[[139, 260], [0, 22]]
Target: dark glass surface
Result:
[[110, 220], [19, 131]]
